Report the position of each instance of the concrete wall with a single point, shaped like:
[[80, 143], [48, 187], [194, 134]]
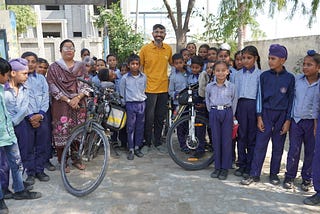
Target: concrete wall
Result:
[[51, 46], [297, 49]]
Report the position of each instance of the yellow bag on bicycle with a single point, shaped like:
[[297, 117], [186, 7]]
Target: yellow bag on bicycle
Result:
[[116, 118]]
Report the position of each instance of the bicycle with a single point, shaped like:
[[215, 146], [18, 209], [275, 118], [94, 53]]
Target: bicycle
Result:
[[89, 143], [185, 133]]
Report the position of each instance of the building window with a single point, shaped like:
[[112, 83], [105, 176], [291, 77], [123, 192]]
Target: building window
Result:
[[51, 34], [95, 10], [109, 2], [77, 34], [52, 7]]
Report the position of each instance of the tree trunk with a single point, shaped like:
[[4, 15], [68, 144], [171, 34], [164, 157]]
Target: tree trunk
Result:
[[181, 40], [179, 29]]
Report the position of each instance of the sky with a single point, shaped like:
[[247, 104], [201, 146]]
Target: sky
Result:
[[277, 27]]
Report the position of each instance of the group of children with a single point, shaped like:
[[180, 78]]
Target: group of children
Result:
[[266, 104], [25, 143]]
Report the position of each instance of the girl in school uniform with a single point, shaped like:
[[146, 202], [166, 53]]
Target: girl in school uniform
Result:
[[221, 101], [246, 82]]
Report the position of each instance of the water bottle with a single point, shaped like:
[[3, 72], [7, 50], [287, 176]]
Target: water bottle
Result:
[[235, 129], [175, 112]]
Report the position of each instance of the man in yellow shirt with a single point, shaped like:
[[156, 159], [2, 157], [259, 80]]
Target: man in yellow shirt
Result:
[[155, 58]]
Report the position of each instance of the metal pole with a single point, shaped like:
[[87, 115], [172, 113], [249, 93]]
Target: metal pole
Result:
[[41, 51], [137, 14]]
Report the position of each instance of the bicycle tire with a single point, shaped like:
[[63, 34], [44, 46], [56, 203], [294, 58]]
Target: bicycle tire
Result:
[[175, 148], [83, 182]]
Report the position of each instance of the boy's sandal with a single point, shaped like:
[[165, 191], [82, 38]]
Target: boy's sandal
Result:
[[79, 165], [67, 169]]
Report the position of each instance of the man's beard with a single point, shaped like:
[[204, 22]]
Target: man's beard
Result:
[[158, 39]]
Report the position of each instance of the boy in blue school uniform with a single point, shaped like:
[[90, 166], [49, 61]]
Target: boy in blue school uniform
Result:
[[17, 101], [177, 82], [35, 134], [274, 105], [132, 89], [196, 68], [8, 143], [112, 62], [315, 198], [246, 82], [305, 111], [221, 102]]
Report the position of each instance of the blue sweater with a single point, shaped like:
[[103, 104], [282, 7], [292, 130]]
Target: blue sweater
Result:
[[276, 91]]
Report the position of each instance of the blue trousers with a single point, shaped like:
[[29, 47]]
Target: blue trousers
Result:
[[316, 161], [33, 144], [15, 164], [135, 123], [247, 131], [301, 132], [221, 127], [4, 169], [273, 122]]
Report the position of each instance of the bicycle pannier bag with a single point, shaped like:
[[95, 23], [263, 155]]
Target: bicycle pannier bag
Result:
[[116, 118], [183, 95]]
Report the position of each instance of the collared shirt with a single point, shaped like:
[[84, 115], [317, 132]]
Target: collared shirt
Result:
[[177, 82], [193, 78], [132, 88], [38, 94], [155, 62], [276, 91], [306, 104], [96, 80], [247, 82], [117, 80], [7, 136], [17, 104], [224, 95]]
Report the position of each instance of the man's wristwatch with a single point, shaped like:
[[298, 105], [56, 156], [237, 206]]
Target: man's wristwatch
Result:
[[68, 100]]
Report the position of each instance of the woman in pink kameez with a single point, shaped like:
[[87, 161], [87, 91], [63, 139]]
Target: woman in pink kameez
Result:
[[68, 97]]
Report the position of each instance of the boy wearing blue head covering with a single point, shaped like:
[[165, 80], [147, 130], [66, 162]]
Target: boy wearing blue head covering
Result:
[[8, 140], [274, 105]]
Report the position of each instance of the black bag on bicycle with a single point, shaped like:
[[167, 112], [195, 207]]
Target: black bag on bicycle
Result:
[[115, 118], [183, 95]]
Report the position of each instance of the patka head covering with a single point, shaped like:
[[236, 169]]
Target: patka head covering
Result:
[[19, 64], [278, 51], [225, 46]]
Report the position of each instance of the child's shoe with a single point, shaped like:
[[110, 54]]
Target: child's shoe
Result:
[[3, 207], [130, 155], [223, 174]]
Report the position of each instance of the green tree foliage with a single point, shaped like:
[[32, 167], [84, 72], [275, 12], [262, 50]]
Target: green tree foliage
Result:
[[233, 17], [122, 39], [308, 8], [25, 17]]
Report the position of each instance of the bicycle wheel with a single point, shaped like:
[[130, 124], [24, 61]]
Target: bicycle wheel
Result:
[[182, 147], [91, 148]]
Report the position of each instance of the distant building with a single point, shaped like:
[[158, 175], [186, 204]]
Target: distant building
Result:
[[59, 22]]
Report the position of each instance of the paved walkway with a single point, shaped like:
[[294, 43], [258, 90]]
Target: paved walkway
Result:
[[155, 184]]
